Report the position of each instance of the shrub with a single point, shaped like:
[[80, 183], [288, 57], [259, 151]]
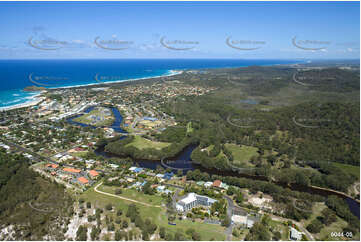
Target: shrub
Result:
[[109, 206], [88, 205]]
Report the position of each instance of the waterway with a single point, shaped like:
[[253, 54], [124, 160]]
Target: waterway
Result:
[[118, 119], [183, 162]]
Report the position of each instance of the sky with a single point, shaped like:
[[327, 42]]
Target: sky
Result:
[[242, 30]]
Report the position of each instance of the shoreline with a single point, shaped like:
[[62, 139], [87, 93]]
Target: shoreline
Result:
[[172, 73], [169, 73], [36, 99], [33, 100]]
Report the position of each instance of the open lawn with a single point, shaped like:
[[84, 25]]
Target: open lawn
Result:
[[325, 233], [189, 127], [96, 117], [316, 211], [80, 154], [221, 154], [337, 226], [142, 143], [353, 170], [158, 215], [134, 194], [242, 154], [283, 229], [208, 149]]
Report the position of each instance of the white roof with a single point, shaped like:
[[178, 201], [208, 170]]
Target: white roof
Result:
[[296, 234], [239, 219], [207, 184], [132, 168], [190, 198]]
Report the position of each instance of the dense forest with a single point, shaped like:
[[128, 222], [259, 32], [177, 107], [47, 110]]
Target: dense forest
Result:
[[119, 146], [34, 206], [302, 138]]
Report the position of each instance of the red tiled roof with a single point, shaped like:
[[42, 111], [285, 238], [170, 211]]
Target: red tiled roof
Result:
[[83, 180], [71, 170], [93, 173], [52, 165], [217, 183]]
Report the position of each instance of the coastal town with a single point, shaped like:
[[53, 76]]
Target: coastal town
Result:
[[61, 137], [180, 121]]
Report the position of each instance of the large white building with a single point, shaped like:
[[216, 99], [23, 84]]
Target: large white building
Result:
[[192, 200], [295, 234]]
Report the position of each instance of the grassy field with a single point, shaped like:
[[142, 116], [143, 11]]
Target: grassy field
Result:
[[242, 154], [209, 148], [354, 170], [85, 119], [158, 215], [80, 154], [325, 233], [283, 229], [189, 127], [142, 143], [134, 194], [316, 211]]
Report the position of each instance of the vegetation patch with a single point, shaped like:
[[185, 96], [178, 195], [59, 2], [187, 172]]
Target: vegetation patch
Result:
[[242, 154], [349, 169], [142, 143]]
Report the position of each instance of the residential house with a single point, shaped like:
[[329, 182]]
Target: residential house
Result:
[[217, 183], [71, 170], [208, 184], [93, 174], [83, 180]]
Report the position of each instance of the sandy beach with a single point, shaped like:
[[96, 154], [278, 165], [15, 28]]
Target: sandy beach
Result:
[[34, 101], [172, 73], [37, 99]]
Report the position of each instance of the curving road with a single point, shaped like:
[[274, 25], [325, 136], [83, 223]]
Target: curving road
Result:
[[299, 225], [230, 209]]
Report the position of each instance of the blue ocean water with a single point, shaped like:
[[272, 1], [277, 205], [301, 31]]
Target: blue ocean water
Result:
[[17, 74]]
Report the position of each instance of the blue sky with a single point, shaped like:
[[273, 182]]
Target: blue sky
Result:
[[254, 30]]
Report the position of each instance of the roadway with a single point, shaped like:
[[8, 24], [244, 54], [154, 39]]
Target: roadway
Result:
[[230, 209]]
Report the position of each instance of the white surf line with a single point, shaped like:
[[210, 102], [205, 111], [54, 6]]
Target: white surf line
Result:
[[172, 73], [124, 198]]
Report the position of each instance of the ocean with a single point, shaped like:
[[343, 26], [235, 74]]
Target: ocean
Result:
[[17, 74]]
